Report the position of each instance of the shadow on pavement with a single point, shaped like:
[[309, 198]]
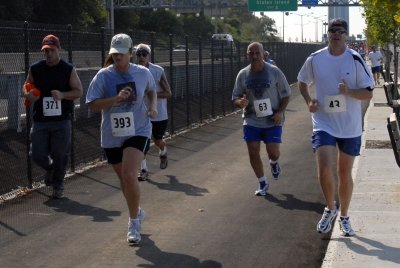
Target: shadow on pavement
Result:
[[372, 248], [158, 258], [174, 185], [66, 205], [293, 203]]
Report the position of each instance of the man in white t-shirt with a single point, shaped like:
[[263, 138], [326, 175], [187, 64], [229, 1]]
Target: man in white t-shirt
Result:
[[341, 79], [375, 57], [160, 123]]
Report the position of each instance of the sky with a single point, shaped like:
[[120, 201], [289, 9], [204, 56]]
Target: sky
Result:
[[310, 17]]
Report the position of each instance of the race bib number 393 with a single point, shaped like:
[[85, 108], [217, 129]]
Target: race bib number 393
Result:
[[51, 107], [335, 104], [122, 124], [263, 107]]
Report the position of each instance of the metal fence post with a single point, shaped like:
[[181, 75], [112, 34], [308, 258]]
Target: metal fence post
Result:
[[28, 108], [152, 45], [188, 93], [223, 78], [201, 78], [171, 79], [72, 149], [212, 79], [103, 49]]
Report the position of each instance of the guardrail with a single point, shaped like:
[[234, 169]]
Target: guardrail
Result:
[[393, 100]]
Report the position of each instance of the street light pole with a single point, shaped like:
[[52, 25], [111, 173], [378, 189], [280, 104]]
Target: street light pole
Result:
[[283, 26], [302, 40], [301, 17]]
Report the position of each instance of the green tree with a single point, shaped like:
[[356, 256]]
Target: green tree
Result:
[[76, 12], [160, 21], [382, 27], [18, 10]]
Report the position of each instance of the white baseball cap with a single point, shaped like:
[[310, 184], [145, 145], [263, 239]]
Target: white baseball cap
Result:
[[120, 43]]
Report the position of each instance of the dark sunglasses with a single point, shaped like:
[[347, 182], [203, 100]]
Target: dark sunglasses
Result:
[[336, 30], [143, 53]]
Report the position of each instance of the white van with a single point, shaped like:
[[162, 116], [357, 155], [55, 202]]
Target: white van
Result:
[[223, 44]]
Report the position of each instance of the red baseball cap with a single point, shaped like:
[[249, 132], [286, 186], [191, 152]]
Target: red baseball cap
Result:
[[50, 41]]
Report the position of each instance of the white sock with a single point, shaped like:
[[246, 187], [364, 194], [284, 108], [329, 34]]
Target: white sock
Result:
[[273, 162], [143, 165], [163, 152], [263, 178]]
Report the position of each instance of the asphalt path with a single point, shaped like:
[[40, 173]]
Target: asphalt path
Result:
[[200, 212]]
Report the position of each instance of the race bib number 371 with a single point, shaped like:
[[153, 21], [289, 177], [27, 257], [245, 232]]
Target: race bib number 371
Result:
[[122, 124], [51, 107]]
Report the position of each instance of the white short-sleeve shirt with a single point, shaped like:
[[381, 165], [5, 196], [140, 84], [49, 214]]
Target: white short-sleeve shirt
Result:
[[325, 71]]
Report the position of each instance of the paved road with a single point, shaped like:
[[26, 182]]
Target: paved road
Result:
[[201, 210]]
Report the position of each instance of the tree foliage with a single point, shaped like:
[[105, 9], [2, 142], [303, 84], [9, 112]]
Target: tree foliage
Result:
[[382, 28], [238, 21], [76, 12]]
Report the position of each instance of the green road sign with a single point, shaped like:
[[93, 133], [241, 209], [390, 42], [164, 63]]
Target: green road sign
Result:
[[272, 5]]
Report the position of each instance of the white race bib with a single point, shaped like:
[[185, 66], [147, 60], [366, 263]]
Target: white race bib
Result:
[[263, 107], [51, 107], [335, 104], [122, 124]]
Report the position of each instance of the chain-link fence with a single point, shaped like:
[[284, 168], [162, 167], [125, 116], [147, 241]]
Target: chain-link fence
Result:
[[201, 86]]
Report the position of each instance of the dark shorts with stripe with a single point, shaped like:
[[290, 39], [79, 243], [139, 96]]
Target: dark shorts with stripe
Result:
[[159, 128], [114, 155]]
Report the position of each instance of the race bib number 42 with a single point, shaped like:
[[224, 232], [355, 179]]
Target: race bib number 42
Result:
[[263, 107], [335, 104], [51, 107], [122, 124]]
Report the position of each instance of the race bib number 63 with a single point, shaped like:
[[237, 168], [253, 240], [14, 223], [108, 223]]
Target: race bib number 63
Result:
[[122, 124], [263, 107]]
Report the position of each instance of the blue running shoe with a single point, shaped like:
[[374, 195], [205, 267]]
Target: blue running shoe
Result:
[[275, 170], [262, 191]]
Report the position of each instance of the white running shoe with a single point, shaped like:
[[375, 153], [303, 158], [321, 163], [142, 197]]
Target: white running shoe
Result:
[[143, 175], [325, 224], [345, 227], [134, 225]]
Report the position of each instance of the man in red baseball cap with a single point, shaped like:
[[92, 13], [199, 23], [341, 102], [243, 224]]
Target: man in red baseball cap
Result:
[[51, 41], [59, 86]]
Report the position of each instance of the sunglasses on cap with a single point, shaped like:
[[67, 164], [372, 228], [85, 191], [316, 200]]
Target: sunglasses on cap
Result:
[[337, 30], [143, 53]]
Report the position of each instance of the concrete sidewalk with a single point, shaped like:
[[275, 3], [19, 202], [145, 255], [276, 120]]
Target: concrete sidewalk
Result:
[[375, 207]]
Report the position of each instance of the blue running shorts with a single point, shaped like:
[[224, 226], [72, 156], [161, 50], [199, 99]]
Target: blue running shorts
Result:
[[376, 69], [350, 146], [267, 135]]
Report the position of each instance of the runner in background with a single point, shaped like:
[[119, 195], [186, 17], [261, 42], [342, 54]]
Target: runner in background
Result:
[[159, 123]]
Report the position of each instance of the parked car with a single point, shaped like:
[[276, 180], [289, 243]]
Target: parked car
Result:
[[179, 48], [224, 45]]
